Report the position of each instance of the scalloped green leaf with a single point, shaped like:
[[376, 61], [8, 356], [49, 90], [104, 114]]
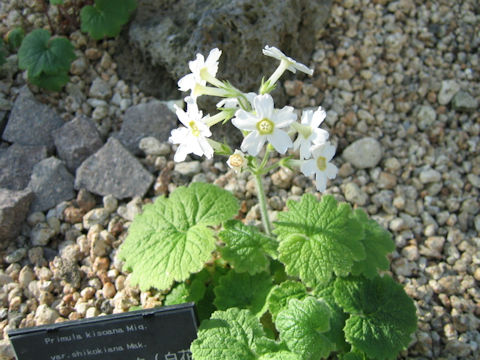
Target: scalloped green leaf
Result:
[[171, 239], [382, 316], [15, 37], [337, 319], [243, 291], [318, 239], [279, 296], [302, 326], [229, 334], [106, 17], [53, 82], [246, 248], [40, 54], [281, 355], [377, 242]]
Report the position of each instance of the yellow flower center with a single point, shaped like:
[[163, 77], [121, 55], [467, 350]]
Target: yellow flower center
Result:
[[236, 160], [265, 126], [194, 128], [321, 163]]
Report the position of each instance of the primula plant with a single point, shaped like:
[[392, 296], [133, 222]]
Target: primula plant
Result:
[[309, 286]]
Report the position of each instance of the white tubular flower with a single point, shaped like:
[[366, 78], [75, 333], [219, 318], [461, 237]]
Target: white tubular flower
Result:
[[308, 132], [264, 125], [237, 161], [320, 165], [192, 137], [201, 71], [293, 65]]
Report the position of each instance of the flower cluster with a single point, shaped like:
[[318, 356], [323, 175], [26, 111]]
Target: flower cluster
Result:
[[258, 119]]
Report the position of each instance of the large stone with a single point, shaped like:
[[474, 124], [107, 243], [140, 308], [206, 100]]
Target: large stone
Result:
[[14, 206], [31, 122], [113, 170], [169, 34], [463, 101], [152, 119], [447, 91], [77, 140], [52, 183], [364, 153], [16, 165]]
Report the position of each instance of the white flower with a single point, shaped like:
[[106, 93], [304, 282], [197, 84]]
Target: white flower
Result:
[[293, 65], [237, 161], [308, 132], [192, 137], [201, 69], [264, 125], [320, 165]]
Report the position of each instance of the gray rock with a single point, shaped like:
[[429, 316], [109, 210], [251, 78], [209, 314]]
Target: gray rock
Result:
[[14, 206], [31, 122], [152, 146], [170, 33], [100, 89], [354, 194], [363, 153], [77, 140], [16, 165], [426, 117], [113, 170], [52, 183], [41, 234], [463, 101], [188, 168], [429, 176], [152, 119], [45, 315], [447, 91]]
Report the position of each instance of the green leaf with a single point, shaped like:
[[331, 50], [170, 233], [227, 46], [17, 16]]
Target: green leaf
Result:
[[246, 248], [243, 291], [279, 296], [2, 53], [281, 355], [377, 242], [171, 240], [337, 319], [39, 54], [106, 17], [229, 334], [382, 316], [318, 238], [301, 326], [53, 82], [15, 37], [57, 2]]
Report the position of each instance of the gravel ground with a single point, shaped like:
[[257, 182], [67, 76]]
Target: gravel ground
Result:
[[403, 74]]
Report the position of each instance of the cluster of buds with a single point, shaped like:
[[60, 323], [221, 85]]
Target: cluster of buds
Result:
[[255, 115]]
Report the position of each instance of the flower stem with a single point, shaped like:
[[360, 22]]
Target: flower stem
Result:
[[263, 204], [278, 72]]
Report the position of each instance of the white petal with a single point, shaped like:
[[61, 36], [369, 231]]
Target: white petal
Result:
[[272, 51], [280, 140], [253, 143], [307, 117], [328, 151], [308, 167], [284, 117], [263, 105], [331, 171], [181, 154], [317, 150], [197, 64], [187, 82], [318, 117], [319, 136], [212, 61], [298, 141], [177, 136], [245, 120], [305, 150], [206, 147], [321, 181]]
